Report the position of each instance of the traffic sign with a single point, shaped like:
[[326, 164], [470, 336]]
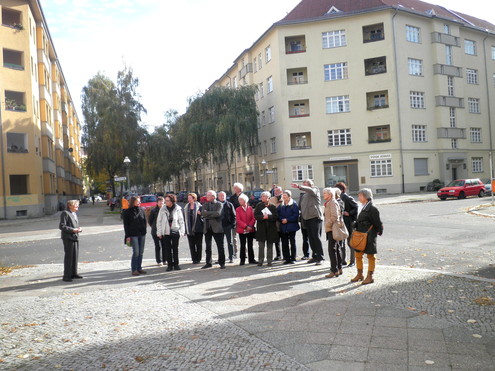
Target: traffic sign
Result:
[[120, 178]]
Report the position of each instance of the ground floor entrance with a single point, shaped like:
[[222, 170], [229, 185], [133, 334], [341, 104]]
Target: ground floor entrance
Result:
[[342, 171]]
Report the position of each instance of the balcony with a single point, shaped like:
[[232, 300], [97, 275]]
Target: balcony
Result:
[[299, 108], [11, 18], [295, 44], [446, 101], [443, 38], [248, 68], [300, 141], [297, 76], [17, 143], [379, 134], [374, 66], [443, 69], [373, 33], [377, 100], [14, 101], [451, 133], [13, 59]]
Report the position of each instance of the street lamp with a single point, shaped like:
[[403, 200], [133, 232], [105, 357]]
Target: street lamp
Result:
[[127, 162], [263, 163]]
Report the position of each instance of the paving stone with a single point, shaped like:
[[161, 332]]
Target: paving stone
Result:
[[393, 356], [388, 342], [348, 353], [337, 366]]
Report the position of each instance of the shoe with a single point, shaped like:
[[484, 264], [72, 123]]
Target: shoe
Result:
[[67, 279], [292, 262], [369, 279], [222, 266], [260, 264], [159, 264], [206, 266], [317, 262], [135, 273], [231, 260], [142, 272], [216, 262], [344, 263], [277, 258], [242, 263], [305, 258], [358, 277], [77, 276], [331, 275], [177, 268], [350, 265], [340, 272], [253, 262], [287, 262], [311, 261], [169, 269], [234, 256], [269, 264]]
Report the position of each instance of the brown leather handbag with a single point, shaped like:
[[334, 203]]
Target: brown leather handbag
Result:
[[359, 240]]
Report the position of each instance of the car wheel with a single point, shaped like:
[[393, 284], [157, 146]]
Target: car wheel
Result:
[[461, 196], [443, 198], [481, 194]]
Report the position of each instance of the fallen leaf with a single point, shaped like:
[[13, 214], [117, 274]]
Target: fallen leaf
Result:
[[139, 359], [477, 336], [471, 321], [428, 362]]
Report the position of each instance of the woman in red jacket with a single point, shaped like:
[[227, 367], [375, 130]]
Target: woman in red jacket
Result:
[[244, 217]]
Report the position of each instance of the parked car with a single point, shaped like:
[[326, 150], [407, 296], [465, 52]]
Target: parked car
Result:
[[254, 196], [462, 188], [488, 185], [148, 201]]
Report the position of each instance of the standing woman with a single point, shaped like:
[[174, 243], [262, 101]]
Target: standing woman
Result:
[[244, 217], [266, 234], [135, 232], [69, 225], [169, 228], [288, 216], [159, 253], [332, 213], [350, 215], [194, 227], [368, 217]]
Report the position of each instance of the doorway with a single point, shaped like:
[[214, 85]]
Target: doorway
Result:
[[346, 172]]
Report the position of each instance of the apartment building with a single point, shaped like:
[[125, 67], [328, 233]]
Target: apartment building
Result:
[[371, 93], [40, 131]]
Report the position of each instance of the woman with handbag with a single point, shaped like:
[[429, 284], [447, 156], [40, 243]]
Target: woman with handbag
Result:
[[368, 221], [331, 215], [169, 228]]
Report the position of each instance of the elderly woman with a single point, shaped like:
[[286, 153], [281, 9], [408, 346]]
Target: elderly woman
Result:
[[134, 220], [331, 214], [288, 216], [169, 228], [244, 217], [266, 217], [194, 227], [368, 220]]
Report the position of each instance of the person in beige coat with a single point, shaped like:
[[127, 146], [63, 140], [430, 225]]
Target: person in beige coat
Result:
[[331, 214]]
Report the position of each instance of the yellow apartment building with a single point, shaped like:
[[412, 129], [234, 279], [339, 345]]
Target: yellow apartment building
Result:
[[371, 93], [40, 132]]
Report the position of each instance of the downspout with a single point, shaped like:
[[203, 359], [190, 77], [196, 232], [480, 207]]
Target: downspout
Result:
[[398, 103], [2, 153], [489, 113]]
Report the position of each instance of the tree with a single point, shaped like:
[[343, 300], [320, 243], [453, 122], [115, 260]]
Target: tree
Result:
[[112, 113]]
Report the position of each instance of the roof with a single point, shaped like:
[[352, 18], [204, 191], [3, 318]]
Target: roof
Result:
[[313, 9]]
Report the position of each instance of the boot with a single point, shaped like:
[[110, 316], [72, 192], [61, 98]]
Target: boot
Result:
[[369, 278], [359, 276]]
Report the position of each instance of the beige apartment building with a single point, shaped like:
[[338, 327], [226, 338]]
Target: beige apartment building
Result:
[[40, 132], [371, 93]]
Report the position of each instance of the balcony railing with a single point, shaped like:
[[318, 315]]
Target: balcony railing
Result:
[[300, 147], [297, 82], [13, 66], [437, 37], [451, 133], [446, 101], [443, 69]]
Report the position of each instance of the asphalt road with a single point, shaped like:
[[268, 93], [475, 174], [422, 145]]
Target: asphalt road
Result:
[[436, 235]]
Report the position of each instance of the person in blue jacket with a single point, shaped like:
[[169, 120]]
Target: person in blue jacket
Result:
[[288, 216]]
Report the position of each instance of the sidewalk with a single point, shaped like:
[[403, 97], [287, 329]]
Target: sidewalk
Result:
[[249, 318]]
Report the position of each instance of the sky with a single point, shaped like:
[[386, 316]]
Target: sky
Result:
[[177, 48]]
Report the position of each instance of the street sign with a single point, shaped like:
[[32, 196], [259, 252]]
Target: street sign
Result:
[[269, 172], [120, 178]]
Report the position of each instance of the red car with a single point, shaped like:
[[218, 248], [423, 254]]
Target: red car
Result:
[[462, 188], [148, 201]]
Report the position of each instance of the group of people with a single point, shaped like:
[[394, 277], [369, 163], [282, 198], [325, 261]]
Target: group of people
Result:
[[274, 221]]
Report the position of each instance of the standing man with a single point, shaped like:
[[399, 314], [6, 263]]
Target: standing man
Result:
[[238, 188], [312, 216], [69, 225], [160, 258], [272, 191], [276, 200], [212, 215], [228, 222], [350, 215]]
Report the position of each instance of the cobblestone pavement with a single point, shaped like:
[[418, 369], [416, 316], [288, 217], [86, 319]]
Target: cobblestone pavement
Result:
[[244, 318]]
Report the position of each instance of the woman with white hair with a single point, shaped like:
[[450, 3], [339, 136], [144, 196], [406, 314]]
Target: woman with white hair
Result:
[[244, 216], [368, 220], [266, 217], [332, 213]]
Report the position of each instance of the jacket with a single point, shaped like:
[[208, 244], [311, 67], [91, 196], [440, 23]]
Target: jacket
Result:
[[234, 200], [266, 229], [368, 216], [291, 213], [163, 225], [212, 215], [197, 223], [134, 221], [351, 206], [311, 203], [228, 214], [332, 213], [276, 200], [67, 225], [244, 218], [152, 219]]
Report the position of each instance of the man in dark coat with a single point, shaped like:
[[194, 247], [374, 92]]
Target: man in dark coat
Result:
[[228, 223], [69, 225], [212, 215], [350, 215], [159, 254], [266, 216]]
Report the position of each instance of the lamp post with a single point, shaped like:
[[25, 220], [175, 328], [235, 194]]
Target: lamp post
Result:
[[263, 163], [127, 162]]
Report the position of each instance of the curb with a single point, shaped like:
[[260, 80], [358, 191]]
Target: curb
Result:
[[474, 211]]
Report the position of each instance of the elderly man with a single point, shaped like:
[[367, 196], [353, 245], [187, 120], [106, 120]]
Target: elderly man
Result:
[[312, 216], [238, 188], [69, 225], [276, 200], [228, 222], [212, 215]]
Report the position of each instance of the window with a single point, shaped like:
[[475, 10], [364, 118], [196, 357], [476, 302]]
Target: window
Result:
[[493, 52], [373, 33], [300, 141], [377, 99], [419, 133], [339, 137], [336, 71], [19, 184], [471, 76], [271, 115], [295, 44], [263, 118], [379, 134], [475, 135], [262, 93], [413, 34], [255, 64], [452, 117], [449, 61], [14, 101], [338, 104], [333, 39], [268, 54], [13, 59], [470, 47], [421, 166], [450, 86], [302, 172], [234, 80], [269, 85], [474, 105], [296, 77], [415, 67], [17, 142], [381, 168], [477, 164], [417, 99], [375, 66], [11, 18], [260, 63], [299, 108], [446, 29], [275, 175], [453, 143], [274, 144], [265, 148]]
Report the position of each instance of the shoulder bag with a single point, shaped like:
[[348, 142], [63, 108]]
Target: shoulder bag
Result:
[[339, 230], [359, 240]]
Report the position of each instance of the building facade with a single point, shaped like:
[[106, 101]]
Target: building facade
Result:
[[370, 93], [40, 130]]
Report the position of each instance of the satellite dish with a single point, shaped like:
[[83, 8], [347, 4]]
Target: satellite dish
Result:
[[71, 149]]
